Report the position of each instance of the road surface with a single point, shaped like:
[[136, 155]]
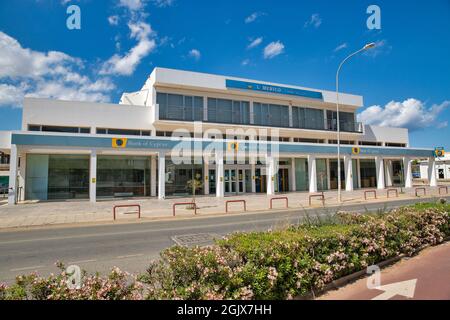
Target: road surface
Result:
[[131, 246]]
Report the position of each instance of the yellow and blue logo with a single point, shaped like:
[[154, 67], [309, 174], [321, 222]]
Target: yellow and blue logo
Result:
[[356, 150], [439, 152], [119, 142], [233, 146]]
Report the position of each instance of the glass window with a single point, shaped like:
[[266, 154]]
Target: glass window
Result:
[[101, 131], [85, 130], [179, 107], [60, 129], [368, 174], [322, 174], [178, 175], [34, 128], [123, 176]]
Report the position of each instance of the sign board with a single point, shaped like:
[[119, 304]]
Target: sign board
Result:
[[119, 142], [252, 86], [439, 152], [356, 151]]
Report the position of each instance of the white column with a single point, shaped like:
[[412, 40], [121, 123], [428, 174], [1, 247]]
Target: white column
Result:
[[253, 174], [13, 165], [206, 176], [379, 163], [252, 114], [292, 175], [389, 173], [161, 175], [220, 190], [312, 173], [271, 175], [407, 166], [153, 174], [348, 168], [21, 178], [432, 172], [93, 177]]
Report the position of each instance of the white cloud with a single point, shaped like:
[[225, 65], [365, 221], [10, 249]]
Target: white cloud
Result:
[[195, 54], [163, 3], [50, 74], [273, 49], [113, 20], [132, 5], [314, 21], [255, 15], [126, 64], [255, 43], [245, 62], [340, 47], [411, 113]]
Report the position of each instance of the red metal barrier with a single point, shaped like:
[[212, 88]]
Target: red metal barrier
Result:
[[320, 195], [235, 201], [423, 189], [443, 188], [127, 206], [370, 191], [184, 204], [279, 198], [392, 190]]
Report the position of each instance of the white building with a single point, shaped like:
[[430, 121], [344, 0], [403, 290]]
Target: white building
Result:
[[442, 168], [243, 136]]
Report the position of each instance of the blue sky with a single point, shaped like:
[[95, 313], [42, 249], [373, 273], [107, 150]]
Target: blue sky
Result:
[[405, 81]]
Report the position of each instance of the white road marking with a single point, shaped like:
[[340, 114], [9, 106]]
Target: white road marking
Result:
[[81, 261], [403, 288], [26, 268], [130, 256]]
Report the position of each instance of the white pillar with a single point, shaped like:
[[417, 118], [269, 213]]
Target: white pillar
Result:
[[161, 175], [93, 177], [312, 173], [253, 174], [407, 166], [379, 163], [348, 168], [389, 173], [292, 176], [153, 174], [206, 176], [220, 190], [432, 172], [271, 175], [13, 165]]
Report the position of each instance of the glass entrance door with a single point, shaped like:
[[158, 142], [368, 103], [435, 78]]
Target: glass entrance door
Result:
[[235, 181]]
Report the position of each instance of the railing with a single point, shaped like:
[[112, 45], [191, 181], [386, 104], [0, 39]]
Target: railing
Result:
[[321, 197], [127, 206], [345, 126], [279, 198], [443, 188], [374, 192], [389, 191], [421, 189], [235, 201], [184, 204]]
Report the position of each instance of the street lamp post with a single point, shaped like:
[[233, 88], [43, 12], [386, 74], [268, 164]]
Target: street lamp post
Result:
[[366, 47]]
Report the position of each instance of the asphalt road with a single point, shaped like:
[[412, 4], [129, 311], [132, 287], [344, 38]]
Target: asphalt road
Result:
[[131, 246]]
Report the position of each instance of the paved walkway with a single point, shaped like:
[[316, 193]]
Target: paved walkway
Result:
[[423, 277], [31, 214]]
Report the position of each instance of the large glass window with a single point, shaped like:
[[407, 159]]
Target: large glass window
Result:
[[123, 176], [322, 174], [307, 118], [301, 175], [368, 171], [228, 111], [179, 107], [346, 120], [178, 175], [57, 177], [271, 115]]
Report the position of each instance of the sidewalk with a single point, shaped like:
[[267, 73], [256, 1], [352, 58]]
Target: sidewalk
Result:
[[423, 277], [31, 214]]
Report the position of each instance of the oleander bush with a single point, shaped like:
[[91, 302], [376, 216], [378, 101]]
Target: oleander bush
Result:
[[282, 263]]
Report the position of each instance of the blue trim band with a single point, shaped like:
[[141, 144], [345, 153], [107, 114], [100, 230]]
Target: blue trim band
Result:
[[168, 144]]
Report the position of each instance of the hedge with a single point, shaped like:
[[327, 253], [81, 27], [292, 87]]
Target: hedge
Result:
[[277, 264]]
